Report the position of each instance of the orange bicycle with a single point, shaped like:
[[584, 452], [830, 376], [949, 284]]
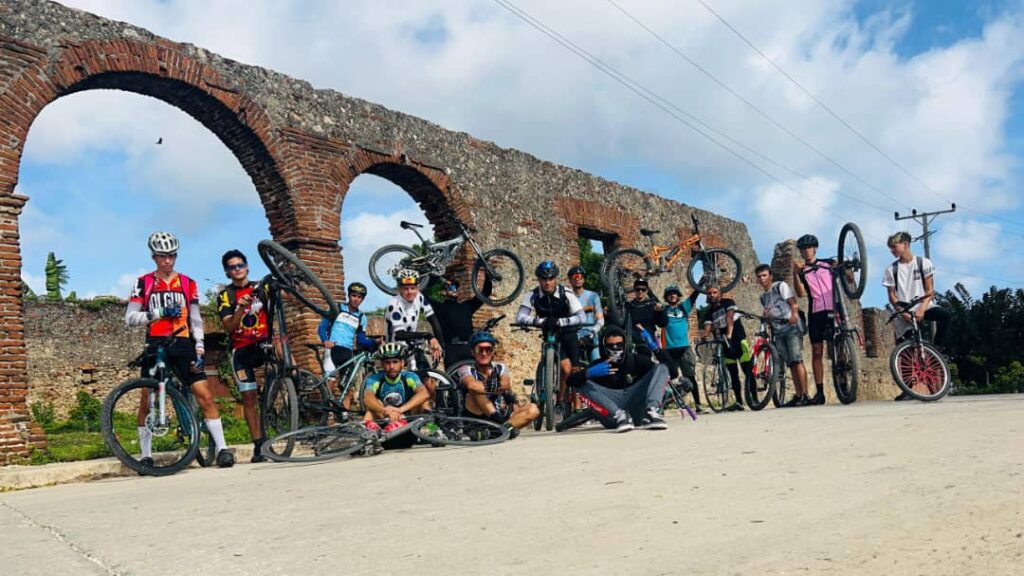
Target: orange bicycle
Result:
[[707, 267]]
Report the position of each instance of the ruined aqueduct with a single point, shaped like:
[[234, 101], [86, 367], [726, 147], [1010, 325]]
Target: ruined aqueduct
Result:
[[302, 148]]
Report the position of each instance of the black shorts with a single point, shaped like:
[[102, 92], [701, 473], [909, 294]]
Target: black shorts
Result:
[[570, 345], [819, 326], [340, 355], [181, 355], [504, 403], [245, 361], [456, 352]]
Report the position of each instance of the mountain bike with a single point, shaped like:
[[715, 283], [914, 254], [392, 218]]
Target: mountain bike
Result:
[[715, 378], [549, 374], [143, 402], [767, 364], [429, 258], [707, 267], [849, 275], [917, 366]]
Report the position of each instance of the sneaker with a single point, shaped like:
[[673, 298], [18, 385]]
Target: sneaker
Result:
[[623, 423], [818, 399], [653, 420], [147, 461], [796, 401], [513, 432], [371, 426], [737, 407], [257, 457], [392, 426], [903, 396], [700, 409], [225, 459]]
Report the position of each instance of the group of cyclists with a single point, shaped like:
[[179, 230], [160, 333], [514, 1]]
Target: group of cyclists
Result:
[[620, 388]]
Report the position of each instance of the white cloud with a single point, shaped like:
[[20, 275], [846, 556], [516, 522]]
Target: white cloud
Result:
[[798, 209], [36, 283]]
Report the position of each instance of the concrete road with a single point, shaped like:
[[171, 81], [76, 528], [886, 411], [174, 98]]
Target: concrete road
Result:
[[874, 488]]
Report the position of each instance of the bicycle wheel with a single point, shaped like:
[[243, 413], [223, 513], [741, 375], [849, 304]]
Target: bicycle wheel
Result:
[[619, 270], [783, 392], [716, 266], [280, 410], [551, 374], [506, 284], [716, 386], [207, 452], [388, 261], [174, 437], [317, 444], [920, 370], [853, 252], [846, 369], [314, 400], [459, 431], [766, 376], [297, 278], [536, 394]]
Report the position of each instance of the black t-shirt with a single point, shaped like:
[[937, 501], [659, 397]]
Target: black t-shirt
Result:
[[717, 312], [643, 313], [456, 318]]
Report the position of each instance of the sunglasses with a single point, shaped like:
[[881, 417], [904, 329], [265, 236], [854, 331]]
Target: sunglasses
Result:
[[484, 350], [640, 289], [616, 346], [233, 267]]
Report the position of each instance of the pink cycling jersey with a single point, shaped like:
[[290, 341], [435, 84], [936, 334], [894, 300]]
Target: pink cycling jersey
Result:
[[818, 279]]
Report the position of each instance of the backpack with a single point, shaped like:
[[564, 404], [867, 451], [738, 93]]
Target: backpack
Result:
[[896, 273], [149, 280], [801, 324]]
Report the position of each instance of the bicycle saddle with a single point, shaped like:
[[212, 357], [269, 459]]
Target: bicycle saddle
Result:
[[407, 225], [315, 347], [646, 232]]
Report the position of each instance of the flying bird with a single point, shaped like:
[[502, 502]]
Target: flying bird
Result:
[[160, 140]]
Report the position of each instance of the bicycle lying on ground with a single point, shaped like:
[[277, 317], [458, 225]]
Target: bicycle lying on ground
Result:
[[502, 266], [917, 366]]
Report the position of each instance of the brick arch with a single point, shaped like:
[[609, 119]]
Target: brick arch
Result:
[[31, 79]]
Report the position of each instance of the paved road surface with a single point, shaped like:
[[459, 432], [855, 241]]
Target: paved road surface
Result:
[[875, 488]]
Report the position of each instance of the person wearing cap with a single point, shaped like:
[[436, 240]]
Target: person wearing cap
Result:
[[591, 302], [488, 387], [456, 319], [647, 313], [677, 336]]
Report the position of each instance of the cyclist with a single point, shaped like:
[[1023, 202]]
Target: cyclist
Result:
[[456, 319], [622, 388], [910, 277], [814, 279], [780, 305], [592, 307], [488, 387], [347, 333], [403, 314], [677, 336], [392, 393], [723, 322], [647, 313], [164, 301], [242, 307], [555, 308]]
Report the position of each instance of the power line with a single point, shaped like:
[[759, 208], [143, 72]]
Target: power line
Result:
[[674, 111], [752, 106], [846, 124]]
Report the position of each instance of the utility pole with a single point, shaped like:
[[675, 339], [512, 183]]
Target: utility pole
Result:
[[924, 219]]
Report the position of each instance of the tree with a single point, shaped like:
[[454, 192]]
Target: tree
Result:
[[56, 277], [591, 262]]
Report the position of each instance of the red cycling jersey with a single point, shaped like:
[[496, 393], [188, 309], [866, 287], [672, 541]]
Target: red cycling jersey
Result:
[[153, 292]]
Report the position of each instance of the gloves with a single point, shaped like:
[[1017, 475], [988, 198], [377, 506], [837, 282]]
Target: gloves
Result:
[[200, 363], [172, 311], [550, 324], [652, 344], [598, 370]]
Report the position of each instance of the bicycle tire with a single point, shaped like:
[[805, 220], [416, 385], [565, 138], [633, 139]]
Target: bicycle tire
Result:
[[853, 287], [316, 444], [123, 440], [380, 277], [511, 271], [314, 400], [551, 373], [296, 278], [207, 452], [766, 377], [783, 392], [279, 413], [846, 369], [711, 381], [722, 264], [920, 370], [459, 431], [618, 271]]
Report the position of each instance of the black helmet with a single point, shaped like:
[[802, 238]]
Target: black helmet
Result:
[[357, 288], [576, 270], [546, 270], [807, 241]]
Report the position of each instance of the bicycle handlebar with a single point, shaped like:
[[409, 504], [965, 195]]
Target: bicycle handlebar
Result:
[[151, 347], [411, 336], [492, 323], [903, 307]]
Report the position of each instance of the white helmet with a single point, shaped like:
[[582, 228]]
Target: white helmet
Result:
[[408, 277], [163, 244]]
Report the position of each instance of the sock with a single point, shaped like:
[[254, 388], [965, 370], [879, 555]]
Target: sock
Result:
[[819, 389], [217, 432], [145, 441], [257, 444]]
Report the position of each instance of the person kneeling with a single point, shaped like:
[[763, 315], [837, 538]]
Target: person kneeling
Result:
[[623, 388], [391, 394], [488, 388]]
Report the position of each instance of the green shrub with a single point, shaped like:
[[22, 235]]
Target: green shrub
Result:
[[43, 413], [86, 415]]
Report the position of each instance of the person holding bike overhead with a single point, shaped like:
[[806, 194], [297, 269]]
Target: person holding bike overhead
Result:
[[488, 388], [555, 308], [165, 301], [911, 277], [677, 336], [722, 322], [779, 303], [623, 388], [242, 307], [592, 307], [456, 319], [814, 279], [392, 393]]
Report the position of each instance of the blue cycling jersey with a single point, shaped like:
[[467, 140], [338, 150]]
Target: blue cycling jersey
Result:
[[677, 331], [592, 307], [346, 328]]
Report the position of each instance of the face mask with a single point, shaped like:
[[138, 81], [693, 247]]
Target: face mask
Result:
[[615, 355]]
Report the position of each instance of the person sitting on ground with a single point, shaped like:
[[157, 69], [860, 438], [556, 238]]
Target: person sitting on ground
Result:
[[780, 305], [456, 319], [722, 322], [392, 393], [622, 388], [488, 387]]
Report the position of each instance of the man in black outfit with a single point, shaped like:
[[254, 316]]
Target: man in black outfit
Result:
[[647, 312], [456, 319]]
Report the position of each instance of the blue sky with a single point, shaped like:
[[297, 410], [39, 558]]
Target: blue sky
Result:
[[936, 85]]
